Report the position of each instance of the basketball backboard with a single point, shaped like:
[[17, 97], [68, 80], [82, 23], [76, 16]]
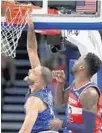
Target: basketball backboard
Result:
[[72, 14], [66, 14]]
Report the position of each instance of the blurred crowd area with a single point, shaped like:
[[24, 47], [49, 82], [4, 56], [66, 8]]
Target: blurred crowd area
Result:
[[8, 71]]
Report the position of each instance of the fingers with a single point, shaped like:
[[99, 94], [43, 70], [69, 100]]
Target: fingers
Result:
[[55, 124], [52, 125], [59, 75], [29, 18]]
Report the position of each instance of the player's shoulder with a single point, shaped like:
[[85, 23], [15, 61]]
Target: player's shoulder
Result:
[[90, 92], [89, 97], [33, 101]]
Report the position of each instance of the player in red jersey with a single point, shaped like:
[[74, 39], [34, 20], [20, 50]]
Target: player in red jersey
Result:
[[82, 97]]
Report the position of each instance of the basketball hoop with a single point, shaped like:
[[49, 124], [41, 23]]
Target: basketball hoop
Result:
[[12, 26]]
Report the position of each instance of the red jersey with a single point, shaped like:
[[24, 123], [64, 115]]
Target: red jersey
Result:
[[74, 107]]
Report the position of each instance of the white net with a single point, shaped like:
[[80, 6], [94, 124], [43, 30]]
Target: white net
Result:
[[11, 32]]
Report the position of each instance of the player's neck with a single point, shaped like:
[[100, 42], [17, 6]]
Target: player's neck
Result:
[[80, 81], [35, 89]]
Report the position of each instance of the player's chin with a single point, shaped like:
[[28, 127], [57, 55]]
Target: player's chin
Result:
[[26, 78], [29, 81]]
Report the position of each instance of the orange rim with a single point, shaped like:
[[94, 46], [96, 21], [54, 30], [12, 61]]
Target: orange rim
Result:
[[15, 12]]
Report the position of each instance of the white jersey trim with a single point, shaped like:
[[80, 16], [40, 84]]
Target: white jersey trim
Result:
[[97, 89], [75, 110]]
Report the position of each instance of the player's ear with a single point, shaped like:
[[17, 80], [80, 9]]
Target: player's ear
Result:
[[81, 67]]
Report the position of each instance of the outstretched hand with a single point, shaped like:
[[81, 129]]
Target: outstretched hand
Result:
[[29, 18], [59, 75], [55, 124]]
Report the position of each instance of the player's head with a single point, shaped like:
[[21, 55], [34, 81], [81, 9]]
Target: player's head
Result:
[[87, 65], [39, 76]]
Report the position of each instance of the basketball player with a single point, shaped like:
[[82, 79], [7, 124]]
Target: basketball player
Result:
[[82, 98], [38, 105]]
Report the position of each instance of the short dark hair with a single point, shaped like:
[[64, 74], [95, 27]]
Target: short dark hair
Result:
[[46, 74], [93, 63]]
